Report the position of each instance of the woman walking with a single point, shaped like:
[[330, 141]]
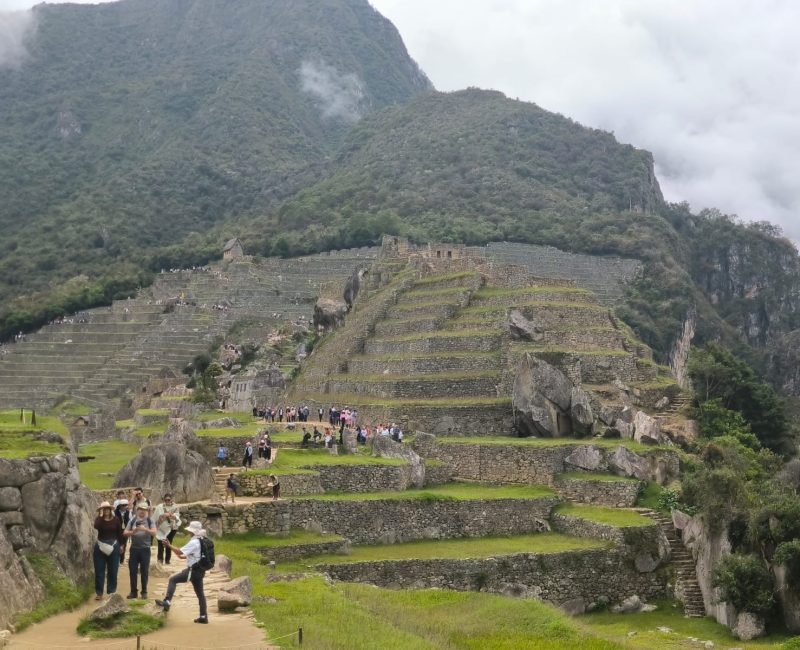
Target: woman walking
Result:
[[106, 550]]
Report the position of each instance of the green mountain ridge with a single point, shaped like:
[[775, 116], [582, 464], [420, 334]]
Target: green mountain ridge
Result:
[[141, 134]]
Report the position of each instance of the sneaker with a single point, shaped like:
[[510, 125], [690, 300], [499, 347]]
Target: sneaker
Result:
[[144, 595], [164, 604], [132, 596], [201, 619], [98, 597]]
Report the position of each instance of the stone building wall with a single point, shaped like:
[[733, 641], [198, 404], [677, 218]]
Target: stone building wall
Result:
[[292, 485], [381, 521], [616, 494], [592, 577]]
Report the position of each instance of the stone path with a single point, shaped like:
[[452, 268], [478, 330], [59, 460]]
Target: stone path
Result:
[[224, 631]]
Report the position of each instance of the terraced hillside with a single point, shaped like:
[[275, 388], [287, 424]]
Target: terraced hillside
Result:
[[109, 351], [430, 346]]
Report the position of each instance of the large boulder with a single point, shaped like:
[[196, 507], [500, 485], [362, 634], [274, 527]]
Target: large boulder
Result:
[[523, 329], [329, 313], [748, 626], [180, 432], [647, 430], [580, 411], [385, 447], [43, 504], [541, 398], [169, 467], [20, 589], [236, 593], [624, 462], [588, 458]]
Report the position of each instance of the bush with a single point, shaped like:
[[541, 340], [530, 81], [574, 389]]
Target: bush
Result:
[[744, 583], [788, 554]]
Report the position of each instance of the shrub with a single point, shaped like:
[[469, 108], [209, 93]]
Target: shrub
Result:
[[744, 583], [788, 554]]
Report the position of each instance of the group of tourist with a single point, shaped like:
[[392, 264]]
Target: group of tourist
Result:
[[232, 488], [131, 524]]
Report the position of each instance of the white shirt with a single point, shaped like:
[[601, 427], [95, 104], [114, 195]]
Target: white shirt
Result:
[[192, 551]]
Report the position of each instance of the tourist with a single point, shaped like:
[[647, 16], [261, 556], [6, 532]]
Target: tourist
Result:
[[106, 550], [321, 412], [247, 461], [268, 448], [222, 455], [193, 572], [168, 520], [275, 484], [231, 488], [138, 497], [306, 438], [261, 446], [141, 531], [122, 511], [317, 435]]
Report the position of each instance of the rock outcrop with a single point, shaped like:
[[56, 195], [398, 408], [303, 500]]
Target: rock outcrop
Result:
[[541, 399], [523, 329], [647, 430], [385, 447], [329, 313], [171, 466], [236, 593], [44, 509]]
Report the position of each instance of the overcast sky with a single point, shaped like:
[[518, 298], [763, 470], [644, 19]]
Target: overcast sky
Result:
[[711, 87]]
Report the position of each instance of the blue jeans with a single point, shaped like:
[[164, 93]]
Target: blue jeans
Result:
[[139, 558], [105, 570]]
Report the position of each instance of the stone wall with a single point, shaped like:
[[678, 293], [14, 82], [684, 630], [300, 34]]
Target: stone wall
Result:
[[44, 509], [617, 494], [292, 485], [417, 388], [421, 365], [295, 551], [381, 521], [522, 463], [590, 577]]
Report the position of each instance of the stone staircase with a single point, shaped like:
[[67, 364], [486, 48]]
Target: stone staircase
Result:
[[676, 405], [687, 588]]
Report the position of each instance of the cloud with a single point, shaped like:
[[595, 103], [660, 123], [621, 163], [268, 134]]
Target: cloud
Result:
[[338, 96], [711, 87], [16, 27]]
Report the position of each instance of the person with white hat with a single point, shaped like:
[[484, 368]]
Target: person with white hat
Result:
[[194, 572], [106, 550]]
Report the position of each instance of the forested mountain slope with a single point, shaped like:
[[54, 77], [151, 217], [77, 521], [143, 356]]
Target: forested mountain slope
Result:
[[132, 124]]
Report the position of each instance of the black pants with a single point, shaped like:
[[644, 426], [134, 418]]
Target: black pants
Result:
[[164, 551], [139, 558], [194, 575], [247, 461]]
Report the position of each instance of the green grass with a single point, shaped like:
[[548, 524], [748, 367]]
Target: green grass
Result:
[[296, 536], [153, 412], [434, 279], [442, 376], [18, 439], [406, 356], [133, 623], [441, 334], [426, 293], [605, 443], [447, 492], [61, 593], [493, 292], [241, 417], [303, 461], [582, 352], [543, 304], [616, 627], [124, 424], [601, 515], [110, 456], [599, 477], [541, 543]]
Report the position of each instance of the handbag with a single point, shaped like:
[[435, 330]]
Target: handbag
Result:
[[106, 549]]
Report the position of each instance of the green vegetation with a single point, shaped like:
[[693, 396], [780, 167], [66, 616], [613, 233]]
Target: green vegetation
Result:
[[496, 292], [400, 356], [61, 594], [539, 543], [448, 492], [442, 376], [441, 334], [547, 304], [446, 277], [110, 456], [133, 623], [745, 583], [616, 517], [573, 352], [299, 461], [599, 477], [22, 439], [414, 294]]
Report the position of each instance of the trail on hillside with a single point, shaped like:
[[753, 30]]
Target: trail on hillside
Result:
[[224, 631]]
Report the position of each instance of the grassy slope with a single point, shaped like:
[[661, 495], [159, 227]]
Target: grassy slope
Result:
[[17, 438], [608, 516], [449, 491], [110, 456]]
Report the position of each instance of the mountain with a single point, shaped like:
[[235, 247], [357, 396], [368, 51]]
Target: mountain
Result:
[[132, 124], [138, 135]]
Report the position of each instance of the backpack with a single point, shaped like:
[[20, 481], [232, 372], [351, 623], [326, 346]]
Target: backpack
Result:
[[207, 557]]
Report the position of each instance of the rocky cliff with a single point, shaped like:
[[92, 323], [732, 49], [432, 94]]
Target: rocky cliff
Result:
[[44, 509]]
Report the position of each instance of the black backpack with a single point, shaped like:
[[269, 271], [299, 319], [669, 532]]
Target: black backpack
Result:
[[207, 557]]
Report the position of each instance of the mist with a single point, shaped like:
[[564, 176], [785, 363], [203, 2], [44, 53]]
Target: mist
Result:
[[338, 96], [16, 29]]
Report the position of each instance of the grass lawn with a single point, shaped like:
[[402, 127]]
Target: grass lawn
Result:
[[607, 443], [17, 438], [544, 543], [449, 491], [609, 516], [601, 478], [110, 456], [303, 461]]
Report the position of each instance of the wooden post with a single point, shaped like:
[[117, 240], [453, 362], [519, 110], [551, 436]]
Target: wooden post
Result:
[[300, 635], [33, 418], [138, 642]]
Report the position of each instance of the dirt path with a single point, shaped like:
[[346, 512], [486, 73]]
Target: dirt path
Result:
[[231, 631]]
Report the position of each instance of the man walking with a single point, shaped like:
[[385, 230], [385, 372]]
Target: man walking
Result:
[[194, 571], [247, 461], [140, 530]]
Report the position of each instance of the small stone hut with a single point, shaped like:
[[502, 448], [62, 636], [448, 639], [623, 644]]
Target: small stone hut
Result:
[[233, 249]]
